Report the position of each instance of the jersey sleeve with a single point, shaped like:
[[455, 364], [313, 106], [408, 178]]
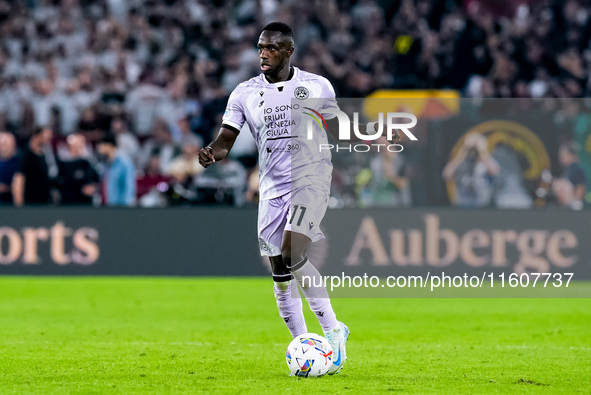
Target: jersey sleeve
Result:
[[233, 118], [330, 101]]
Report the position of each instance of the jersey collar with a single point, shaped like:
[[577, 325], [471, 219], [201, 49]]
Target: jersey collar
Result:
[[293, 72]]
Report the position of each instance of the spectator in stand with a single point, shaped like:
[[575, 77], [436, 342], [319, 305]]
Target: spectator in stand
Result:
[[118, 180], [160, 144], [225, 183], [31, 184], [570, 187], [13, 104], [387, 184], [126, 141], [185, 167], [152, 185], [89, 125], [42, 103], [187, 135], [173, 107], [143, 102], [473, 171], [77, 180], [68, 107], [9, 162]]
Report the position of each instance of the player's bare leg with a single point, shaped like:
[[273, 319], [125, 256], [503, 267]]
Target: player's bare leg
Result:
[[294, 249], [290, 306]]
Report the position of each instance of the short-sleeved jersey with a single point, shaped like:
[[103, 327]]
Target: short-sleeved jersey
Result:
[[276, 116]]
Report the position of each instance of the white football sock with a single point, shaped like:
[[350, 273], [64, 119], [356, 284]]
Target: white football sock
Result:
[[290, 306], [310, 282]]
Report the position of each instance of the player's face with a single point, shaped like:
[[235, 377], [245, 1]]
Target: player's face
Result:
[[274, 52]]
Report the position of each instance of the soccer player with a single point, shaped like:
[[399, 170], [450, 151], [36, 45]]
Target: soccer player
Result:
[[294, 177]]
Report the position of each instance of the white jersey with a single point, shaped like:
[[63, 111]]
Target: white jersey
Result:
[[278, 115]]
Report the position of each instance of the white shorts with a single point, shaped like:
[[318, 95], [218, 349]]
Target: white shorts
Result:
[[299, 211]]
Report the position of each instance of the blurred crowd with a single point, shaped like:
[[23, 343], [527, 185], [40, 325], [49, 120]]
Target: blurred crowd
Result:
[[108, 101]]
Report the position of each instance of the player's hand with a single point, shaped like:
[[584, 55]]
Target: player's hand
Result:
[[206, 157]]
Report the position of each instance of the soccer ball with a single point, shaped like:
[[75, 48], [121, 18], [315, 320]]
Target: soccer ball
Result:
[[309, 355]]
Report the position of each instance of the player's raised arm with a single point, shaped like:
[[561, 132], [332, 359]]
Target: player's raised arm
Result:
[[219, 148]]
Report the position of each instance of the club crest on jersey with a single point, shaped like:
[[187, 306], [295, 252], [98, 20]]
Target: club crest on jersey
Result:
[[301, 93]]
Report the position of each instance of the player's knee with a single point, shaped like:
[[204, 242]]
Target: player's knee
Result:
[[286, 257], [278, 265], [292, 258], [293, 261]]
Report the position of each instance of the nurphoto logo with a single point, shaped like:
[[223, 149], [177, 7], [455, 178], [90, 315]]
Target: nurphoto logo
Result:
[[392, 121]]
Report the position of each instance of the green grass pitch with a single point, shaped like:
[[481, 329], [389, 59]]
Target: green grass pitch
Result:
[[191, 335]]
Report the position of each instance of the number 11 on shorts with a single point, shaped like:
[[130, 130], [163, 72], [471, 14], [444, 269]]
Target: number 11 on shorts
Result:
[[295, 210]]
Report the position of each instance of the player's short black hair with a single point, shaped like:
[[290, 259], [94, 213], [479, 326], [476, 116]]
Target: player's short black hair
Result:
[[281, 27]]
